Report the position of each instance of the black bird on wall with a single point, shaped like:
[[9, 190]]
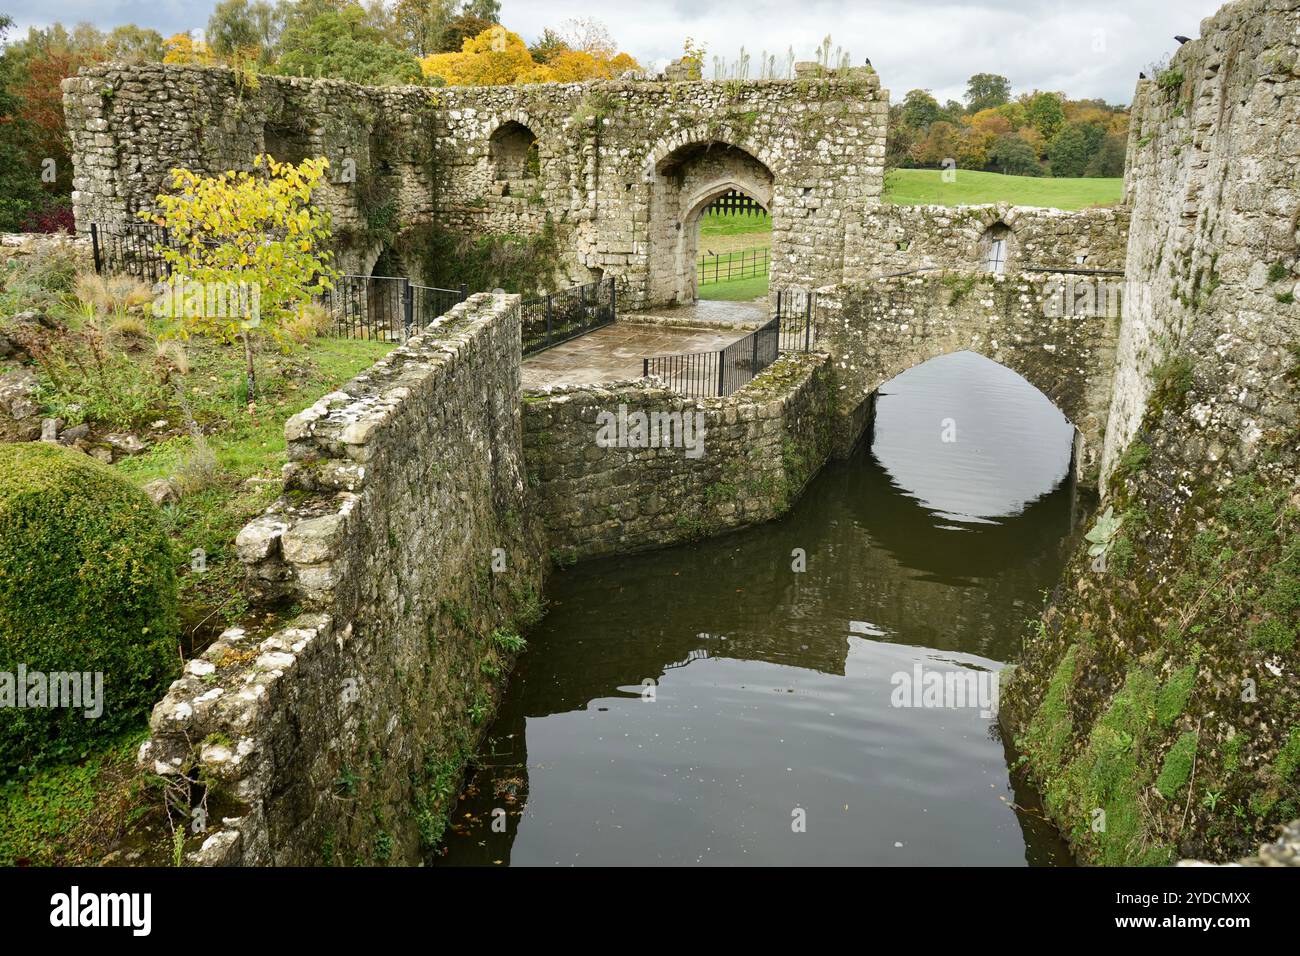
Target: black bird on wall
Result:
[[1182, 40], [1142, 76]]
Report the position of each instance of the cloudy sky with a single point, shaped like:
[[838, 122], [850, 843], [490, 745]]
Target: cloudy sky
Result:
[[1087, 48]]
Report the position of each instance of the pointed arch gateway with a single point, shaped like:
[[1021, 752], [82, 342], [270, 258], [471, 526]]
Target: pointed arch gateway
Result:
[[685, 181]]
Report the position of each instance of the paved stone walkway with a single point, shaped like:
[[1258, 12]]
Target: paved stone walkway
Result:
[[705, 311], [614, 353]]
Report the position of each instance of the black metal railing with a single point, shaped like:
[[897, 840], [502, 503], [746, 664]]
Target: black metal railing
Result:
[[384, 308], [132, 250], [705, 374], [725, 266], [796, 310], [551, 319], [719, 373]]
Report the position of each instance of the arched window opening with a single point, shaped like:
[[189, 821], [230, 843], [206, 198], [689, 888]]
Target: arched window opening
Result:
[[512, 149]]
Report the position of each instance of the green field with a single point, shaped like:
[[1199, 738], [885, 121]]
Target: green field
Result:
[[737, 290], [732, 224], [914, 187]]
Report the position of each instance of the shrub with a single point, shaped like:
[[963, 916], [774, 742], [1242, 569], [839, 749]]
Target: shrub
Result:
[[86, 585]]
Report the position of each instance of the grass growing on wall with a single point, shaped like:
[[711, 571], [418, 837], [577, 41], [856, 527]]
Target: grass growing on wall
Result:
[[916, 187]]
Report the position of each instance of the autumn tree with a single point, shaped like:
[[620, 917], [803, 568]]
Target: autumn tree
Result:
[[498, 56], [248, 250], [183, 50]]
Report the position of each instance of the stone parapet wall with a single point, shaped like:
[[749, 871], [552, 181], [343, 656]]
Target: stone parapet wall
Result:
[[890, 238], [760, 447], [403, 542], [1032, 324]]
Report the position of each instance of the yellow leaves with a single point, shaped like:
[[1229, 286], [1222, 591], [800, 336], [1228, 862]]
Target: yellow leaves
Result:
[[256, 233], [498, 57], [181, 48]]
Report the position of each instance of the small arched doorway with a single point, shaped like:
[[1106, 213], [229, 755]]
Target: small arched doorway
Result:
[[686, 184]]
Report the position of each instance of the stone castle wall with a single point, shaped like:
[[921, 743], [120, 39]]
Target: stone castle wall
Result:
[[1156, 703], [404, 543], [613, 159], [759, 447]]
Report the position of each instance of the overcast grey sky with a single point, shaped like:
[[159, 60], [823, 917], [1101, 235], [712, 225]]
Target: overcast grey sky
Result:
[[1087, 48]]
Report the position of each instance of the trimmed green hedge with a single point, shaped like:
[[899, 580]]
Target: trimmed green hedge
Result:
[[87, 584]]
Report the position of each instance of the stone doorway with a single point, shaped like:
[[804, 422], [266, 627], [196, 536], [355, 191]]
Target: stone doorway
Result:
[[686, 183]]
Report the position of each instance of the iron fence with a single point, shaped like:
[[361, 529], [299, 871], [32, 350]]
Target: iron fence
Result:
[[796, 310], [551, 319], [721, 372], [384, 308], [704, 374], [134, 251], [725, 266]]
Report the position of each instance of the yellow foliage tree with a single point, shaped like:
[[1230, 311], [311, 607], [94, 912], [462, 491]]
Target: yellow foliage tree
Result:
[[246, 251], [182, 49], [499, 57]]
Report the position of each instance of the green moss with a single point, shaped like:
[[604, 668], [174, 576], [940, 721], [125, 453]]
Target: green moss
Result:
[[86, 585], [1172, 697], [517, 263], [1108, 776], [1171, 380], [1051, 728], [1170, 79], [1133, 460], [1277, 272], [1177, 768]]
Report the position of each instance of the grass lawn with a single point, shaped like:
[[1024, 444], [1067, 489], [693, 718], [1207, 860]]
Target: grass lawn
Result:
[[737, 290], [242, 442], [730, 266], [914, 187], [733, 224]]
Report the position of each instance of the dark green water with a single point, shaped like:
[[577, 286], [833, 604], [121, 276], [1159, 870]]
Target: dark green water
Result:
[[774, 691]]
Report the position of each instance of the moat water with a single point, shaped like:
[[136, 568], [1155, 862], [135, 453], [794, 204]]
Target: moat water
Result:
[[711, 705]]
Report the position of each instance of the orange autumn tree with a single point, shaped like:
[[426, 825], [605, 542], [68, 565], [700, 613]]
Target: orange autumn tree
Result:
[[499, 57], [181, 49]]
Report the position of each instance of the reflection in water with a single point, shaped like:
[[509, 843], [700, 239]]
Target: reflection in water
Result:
[[773, 690]]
